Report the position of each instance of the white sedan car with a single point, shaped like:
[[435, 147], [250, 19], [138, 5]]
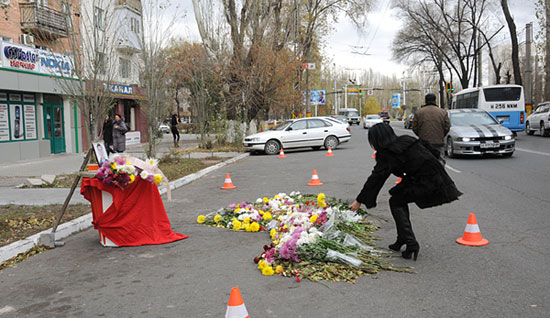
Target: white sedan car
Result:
[[299, 133], [371, 120]]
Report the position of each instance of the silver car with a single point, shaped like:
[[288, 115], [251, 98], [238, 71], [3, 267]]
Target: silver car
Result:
[[476, 132]]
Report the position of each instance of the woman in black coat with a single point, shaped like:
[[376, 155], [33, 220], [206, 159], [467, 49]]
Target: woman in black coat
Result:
[[108, 134], [424, 181]]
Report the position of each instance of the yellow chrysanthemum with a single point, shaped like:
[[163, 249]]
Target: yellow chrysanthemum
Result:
[[132, 178], [313, 218], [201, 219], [254, 227], [321, 200], [268, 271], [278, 269], [158, 178], [276, 197], [236, 225], [237, 210], [113, 165], [266, 199], [273, 234], [261, 264], [217, 218], [267, 216], [246, 227], [246, 221]]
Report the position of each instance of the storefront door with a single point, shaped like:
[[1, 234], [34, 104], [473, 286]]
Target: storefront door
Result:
[[53, 127]]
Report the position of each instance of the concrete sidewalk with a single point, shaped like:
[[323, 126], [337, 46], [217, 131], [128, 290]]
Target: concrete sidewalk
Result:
[[14, 174]]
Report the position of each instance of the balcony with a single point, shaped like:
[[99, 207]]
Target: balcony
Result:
[[42, 22]]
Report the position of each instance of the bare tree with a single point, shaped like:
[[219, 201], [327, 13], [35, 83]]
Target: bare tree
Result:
[[158, 21], [514, 39]]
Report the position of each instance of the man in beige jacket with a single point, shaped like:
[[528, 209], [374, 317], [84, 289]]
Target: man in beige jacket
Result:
[[432, 123]]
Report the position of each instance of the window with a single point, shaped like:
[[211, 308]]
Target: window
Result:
[[134, 25], [99, 18], [67, 10], [5, 38], [502, 94], [124, 68], [299, 125], [315, 123]]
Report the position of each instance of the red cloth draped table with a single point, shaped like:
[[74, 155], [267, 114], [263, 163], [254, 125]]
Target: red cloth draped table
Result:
[[131, 216]]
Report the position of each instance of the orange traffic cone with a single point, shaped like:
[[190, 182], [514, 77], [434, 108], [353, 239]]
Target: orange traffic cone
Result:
[[329, 152], [315, 179], [281, 154], [235, 306], [228, 184], [374, 155], [399, 181], [472, 235]]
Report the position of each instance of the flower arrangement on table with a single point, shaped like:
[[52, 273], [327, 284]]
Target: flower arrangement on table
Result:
[[119, 172], [311, 236]]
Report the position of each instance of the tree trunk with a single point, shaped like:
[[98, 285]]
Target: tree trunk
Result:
[[515, 46], [547, 53]]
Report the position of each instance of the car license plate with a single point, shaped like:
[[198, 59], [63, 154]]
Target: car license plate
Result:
[[489, 145], [246, 145]]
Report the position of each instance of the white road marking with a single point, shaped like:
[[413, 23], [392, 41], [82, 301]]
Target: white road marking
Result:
[[533, 151], [452, 169]]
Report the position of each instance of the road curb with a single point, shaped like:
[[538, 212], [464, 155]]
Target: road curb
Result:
[[84, 222]]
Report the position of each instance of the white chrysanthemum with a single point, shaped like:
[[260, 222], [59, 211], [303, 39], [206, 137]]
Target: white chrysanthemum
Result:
[[152, 161], [144, 174], [259, 200]]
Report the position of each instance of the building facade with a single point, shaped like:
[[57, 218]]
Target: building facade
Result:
[[119, 27], [36, 118]]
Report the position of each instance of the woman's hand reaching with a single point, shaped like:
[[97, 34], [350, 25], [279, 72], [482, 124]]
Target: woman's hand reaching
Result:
[[355, 206]]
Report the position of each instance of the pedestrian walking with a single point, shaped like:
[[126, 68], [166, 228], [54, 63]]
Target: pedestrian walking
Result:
[[119, 131], [108, 134], [424, 181], [431, 123], [174, 128]]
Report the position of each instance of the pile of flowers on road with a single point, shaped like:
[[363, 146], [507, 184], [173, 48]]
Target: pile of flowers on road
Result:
[[120, 173], [312, 237]]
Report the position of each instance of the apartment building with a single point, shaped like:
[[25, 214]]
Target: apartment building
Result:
[[36, 118], [117, 29]]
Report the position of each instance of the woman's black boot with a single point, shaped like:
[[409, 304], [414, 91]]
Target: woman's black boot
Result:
[[411, 251], [397, 245]]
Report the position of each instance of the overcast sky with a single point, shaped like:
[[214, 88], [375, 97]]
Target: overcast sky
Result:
[[377, 39]]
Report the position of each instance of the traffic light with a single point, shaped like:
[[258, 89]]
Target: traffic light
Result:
[[449, 87], [360, 91]]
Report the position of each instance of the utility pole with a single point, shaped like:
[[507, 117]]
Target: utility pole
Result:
[[346, 96], [528, 82], [335, 95]]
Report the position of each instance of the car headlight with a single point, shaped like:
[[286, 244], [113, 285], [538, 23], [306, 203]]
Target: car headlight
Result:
[[255, 139], [509, 137], [466, 139]]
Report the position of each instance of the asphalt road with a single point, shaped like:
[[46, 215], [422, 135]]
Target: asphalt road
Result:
[[193, 277]]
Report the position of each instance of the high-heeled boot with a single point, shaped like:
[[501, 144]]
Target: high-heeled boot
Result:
[[397, 245], [411, 251], [404, 231]]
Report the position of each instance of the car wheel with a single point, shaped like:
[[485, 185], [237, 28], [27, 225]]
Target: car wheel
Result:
[[528, 129], [332, 142], [507, 155], [272, 147], [449, 150], [543, 131]]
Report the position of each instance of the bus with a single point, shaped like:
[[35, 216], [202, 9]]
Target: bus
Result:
[[504, 102]]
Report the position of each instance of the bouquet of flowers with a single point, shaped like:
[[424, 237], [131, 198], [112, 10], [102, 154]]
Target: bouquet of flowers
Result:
[[120, 173], [311, 236]]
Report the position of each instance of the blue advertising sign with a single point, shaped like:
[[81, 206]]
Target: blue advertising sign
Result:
[[396, 100]]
